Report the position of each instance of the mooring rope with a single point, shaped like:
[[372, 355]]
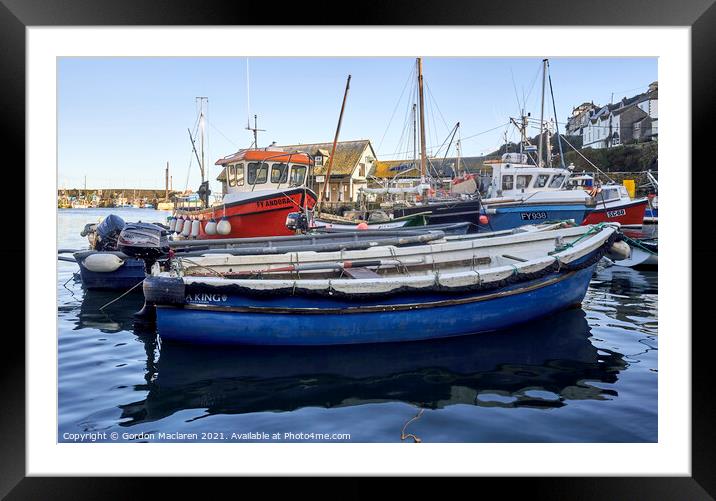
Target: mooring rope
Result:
[[120, 297], [404, 436]]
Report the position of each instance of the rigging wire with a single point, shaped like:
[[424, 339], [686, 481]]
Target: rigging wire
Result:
[[405, 86], [430, 93], [554, 108]]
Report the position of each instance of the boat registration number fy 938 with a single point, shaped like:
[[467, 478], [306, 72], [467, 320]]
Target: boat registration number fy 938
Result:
[[531, 216], [616, 213]]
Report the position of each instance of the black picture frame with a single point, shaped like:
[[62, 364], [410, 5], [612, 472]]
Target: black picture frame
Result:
[[700, 15]]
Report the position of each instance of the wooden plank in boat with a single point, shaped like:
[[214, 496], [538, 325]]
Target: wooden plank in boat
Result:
[[360, 273]]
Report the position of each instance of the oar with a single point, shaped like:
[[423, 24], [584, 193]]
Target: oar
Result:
[[329, 266]]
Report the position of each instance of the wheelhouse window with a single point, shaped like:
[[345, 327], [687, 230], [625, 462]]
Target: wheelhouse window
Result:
[[610, 194], [257, 172], [298, 175], [541, 181], [231, 174], [523, 181], [239, 174], [279, 173], [507, 182], [557, 181]]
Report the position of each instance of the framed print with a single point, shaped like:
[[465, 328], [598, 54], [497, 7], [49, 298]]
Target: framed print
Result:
[[170, 152]]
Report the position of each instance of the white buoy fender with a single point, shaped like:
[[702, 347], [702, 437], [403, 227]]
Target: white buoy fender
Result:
[[210, 228], [186, 228], [102, 263], [179, 224], [172, 224], [224, 227], [619, 250], [195, 225]]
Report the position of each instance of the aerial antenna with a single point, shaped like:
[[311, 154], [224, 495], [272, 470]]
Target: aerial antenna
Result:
[[255, 129]]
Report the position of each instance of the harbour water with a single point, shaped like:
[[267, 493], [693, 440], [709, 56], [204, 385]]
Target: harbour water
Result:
[[583, 375]]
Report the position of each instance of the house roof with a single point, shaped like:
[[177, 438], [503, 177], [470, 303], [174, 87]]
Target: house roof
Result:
[[345, 160]]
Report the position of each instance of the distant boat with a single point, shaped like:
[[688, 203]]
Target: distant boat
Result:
[[165, 206], [651, 214]]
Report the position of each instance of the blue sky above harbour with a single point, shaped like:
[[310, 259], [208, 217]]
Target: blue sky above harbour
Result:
[[121, 119]]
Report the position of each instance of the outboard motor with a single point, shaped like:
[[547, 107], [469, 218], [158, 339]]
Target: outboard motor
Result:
[[204, 193], [144, 241], [296, 221], [108, 232]]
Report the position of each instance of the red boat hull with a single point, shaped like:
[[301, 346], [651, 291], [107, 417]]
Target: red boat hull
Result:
[[262, 216], [626, 213]]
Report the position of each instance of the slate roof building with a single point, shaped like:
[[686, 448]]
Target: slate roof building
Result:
[[352, 162]]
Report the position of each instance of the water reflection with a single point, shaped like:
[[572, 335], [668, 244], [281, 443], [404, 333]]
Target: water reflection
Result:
[[542, 365], [115, 317], [623, 281]]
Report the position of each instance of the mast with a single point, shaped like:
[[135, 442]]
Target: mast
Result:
[[457, 147], [415, 135], [541, 116], [201, 100], [166, 183], [422, 121], [335, 141]]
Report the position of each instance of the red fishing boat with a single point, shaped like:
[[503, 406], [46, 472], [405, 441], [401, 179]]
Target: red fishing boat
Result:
[[613, 204], [261, 187]]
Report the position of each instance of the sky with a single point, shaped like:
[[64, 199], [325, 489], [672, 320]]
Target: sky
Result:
[[120, 120]]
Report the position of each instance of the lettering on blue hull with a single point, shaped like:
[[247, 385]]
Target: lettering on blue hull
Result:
[[532, 216], [206, 298]]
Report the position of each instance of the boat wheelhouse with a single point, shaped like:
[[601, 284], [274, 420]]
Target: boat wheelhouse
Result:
[[260, 188]]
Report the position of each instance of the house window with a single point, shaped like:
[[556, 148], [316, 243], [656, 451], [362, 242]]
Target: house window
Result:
[[507, 182], [361, 170], [541, 181], [298, 175], [279, 173], [557, 181], [523, 181], [257, 172], [318, 159]]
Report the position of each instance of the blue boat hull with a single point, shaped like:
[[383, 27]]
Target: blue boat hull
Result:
[[295, 320], [125, 277], [507, 218]]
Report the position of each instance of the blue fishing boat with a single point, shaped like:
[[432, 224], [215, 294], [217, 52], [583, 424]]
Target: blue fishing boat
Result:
[[109, 270], [451, 288]]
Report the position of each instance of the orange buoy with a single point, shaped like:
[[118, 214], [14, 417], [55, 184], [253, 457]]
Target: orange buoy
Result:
[[362, 226]]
